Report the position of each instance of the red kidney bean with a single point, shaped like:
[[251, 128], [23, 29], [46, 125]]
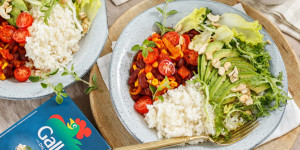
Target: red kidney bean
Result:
[[135, 56], [131, 71], [133, 76], [136, 97], [147, 91], [180, 63], [157, 74], [192, 33], [8, 71], [140, 63], [143, 80], [177, 77], [190, 76], [192, 68]]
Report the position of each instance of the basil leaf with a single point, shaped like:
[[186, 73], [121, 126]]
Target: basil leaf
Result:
[[59, 87], [64, 74], [44, 85], [64, 94], [34, 78], [160, 26], [160, 10], [145, 42], [59, 99], [135, 48], [88, 90], [161, 98], [169, 29], [150, 49], [171, 12], [145, 53], [159, 88], [151, 44], [152, 88], [53, 72], [72, 68]]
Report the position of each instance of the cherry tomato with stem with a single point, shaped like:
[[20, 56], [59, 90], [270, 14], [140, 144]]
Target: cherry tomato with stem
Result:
[[22, 73], [166, 68], [141, 104]]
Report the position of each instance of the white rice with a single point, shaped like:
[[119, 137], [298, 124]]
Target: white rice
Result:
[[182, 113], [51, 47]]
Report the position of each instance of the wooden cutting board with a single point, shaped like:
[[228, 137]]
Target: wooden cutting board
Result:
[[103, 111]]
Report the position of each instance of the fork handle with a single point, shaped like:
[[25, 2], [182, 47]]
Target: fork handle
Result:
[[161, 143]]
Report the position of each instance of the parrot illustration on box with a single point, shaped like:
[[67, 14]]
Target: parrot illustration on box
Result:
[[66, 132]]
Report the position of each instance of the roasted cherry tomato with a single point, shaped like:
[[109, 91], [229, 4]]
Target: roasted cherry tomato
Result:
[[184, 72], [191, 57], [173, 37], [24, 20], [6, 33], [186, 42], [152, 56], [20, 35], [166, 68], [163, 56], [141, 104], [22, 73]]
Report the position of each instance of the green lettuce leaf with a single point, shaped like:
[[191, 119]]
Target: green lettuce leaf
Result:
[[192, 21], [246, 31], [90, 7], [223, 34]]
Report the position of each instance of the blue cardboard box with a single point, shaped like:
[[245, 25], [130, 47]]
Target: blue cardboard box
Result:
[[53, 126]]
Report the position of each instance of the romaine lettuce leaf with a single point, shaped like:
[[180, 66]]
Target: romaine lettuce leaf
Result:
[[90, 7], [223, 34], [246, 31], [192, 21]]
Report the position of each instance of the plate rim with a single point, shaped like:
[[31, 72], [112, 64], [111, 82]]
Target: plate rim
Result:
[[283, 107]]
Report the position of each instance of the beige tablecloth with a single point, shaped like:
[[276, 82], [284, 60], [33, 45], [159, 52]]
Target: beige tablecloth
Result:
[[13, 111]]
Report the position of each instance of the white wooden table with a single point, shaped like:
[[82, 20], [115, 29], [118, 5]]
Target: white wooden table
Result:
[[13, 111]]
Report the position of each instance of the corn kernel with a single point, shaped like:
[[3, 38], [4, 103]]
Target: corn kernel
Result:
[[164, 51], [2, 76], [155, 64], [149, 76], [149, 81], [173, 84], [4, 65], [136, 83], [172, 78], [154, 82], [134, 67]]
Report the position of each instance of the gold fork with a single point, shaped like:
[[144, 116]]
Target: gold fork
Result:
[[237, 135]]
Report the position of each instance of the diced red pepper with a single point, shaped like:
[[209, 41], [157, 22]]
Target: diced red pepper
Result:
[[184, 72]]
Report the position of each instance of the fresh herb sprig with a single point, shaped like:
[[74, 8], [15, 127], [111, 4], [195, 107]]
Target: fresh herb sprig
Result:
[[145, 47], [165, 14], [92, 86], [47, 8], [58, 89], [154, 90]]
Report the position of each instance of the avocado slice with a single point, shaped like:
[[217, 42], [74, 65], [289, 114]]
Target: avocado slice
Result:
[[214, 46], [203, 66], [230, 59], [17, 7], [223, 53]]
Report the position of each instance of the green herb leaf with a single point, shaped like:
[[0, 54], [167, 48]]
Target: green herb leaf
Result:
[[145, 53], [169, 29], [171, 12], [152, 88], [72, 68], [94, 79], [160, 10], [34, 78], [59, 99], [135, 48], [161, 27], [159, 88], [145, 42], [168, 86], [88, 90], [53, 72], [161, 98], [151, 44], [64, 94], [59, 87], [149, 49], [170, 0], [44, 85], [64, 74]]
